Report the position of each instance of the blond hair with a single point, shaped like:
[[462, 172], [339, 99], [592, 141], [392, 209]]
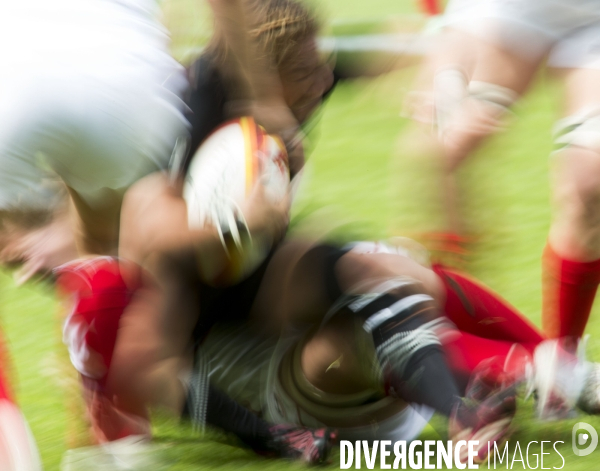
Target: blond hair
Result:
[[277, 26]]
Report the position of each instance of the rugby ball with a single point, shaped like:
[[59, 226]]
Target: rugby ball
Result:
[[223, 172]]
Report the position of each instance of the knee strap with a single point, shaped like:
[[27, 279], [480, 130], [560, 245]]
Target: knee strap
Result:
[[581, 129], [493, 94]]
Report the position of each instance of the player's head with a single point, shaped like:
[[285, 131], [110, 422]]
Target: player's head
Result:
[[286, 31]]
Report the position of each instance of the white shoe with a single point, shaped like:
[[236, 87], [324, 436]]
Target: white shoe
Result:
[[127, 454], [589, 399], [559, 377], [18, 451]]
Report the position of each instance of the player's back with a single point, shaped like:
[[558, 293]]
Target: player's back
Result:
[[81, 36]]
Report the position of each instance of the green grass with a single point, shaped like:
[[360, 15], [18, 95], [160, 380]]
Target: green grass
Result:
[[364, 181]]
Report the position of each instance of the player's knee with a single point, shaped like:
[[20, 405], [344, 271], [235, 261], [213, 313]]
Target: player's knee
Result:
[[465, 121], [577, 138], [581, 130], [368, 269], [400, 318]]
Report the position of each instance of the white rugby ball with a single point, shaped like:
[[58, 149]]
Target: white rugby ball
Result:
[[223, 172]]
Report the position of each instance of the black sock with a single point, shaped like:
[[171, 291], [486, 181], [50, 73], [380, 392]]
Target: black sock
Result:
[[426, 379], [403, 328], [226, 414]]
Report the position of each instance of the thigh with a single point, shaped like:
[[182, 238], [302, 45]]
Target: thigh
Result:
[[304, 280], [577, 166], [582, 90], [292, 288], [501, 66], [97, 226]]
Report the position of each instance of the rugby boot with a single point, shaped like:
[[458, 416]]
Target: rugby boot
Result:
[[311, 446], [487, 422]]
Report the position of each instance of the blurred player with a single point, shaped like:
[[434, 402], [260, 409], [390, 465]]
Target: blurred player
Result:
[[90, 101], [510, 40], [332, 375], [91, 98], [326, 375], [297, 281], [114, 425], [405, 359], [18, 451]]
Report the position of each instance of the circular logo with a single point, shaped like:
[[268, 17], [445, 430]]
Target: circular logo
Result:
[[589, 437]]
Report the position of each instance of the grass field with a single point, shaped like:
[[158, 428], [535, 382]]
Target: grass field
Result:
[[363, 182]]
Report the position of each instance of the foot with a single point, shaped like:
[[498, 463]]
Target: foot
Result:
[[495, 374], [559, 377], [18, 450], [311, 446], [487, 422]]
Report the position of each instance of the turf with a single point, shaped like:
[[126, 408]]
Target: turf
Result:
[[364, 181]]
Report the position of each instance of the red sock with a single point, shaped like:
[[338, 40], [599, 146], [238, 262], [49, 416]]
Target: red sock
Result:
[[476, 309], [468, 351], [5, 370], [4, 388], [430, 7], [568, 292]]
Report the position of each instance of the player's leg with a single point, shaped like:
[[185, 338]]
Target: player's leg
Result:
[[571, 260], [476, 309], [499, 77], [471, 99], [493, 334], [398, 315], [18, 451], [497, 345], [405, 359], [439, 88], [96, 226]]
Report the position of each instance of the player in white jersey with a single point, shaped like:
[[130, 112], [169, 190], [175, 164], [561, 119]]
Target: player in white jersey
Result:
[[90, 101], [503, 45], [90, 97]]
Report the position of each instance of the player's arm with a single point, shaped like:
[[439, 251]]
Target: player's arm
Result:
[[154, 222]]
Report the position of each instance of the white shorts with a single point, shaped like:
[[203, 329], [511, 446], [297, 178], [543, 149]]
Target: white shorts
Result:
[[90, 95], [567, 31], [248, 369]]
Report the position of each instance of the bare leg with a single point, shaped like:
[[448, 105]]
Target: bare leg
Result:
[[97, 228], [295, 287], [572, 256], [466, 107]]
